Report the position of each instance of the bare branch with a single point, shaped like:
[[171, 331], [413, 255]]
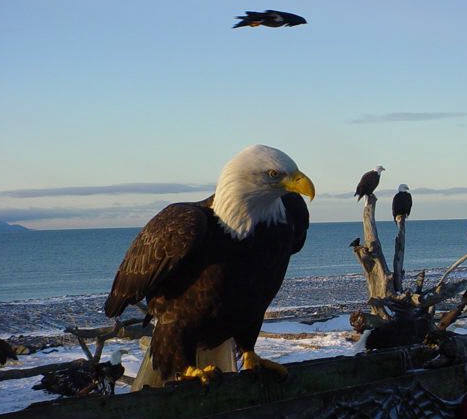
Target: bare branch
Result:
[[433, 295], [107, 332], [419, 282], [371, 257], [451, 316], [399, 249], [452, 267], [31, 372], [85, 348]]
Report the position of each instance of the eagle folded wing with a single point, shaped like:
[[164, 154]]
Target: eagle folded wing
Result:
[[171, 236]]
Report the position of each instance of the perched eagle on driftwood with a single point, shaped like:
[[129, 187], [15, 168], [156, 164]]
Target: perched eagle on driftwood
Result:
[[402, 202], [368, 182], [210, 269], [271, 18], [85, 378], [6, 352]]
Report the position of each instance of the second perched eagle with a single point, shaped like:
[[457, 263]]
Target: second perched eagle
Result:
[[6, 352], [402, 202], [210, 269], [368, 182], [271, 18], [85, 378]]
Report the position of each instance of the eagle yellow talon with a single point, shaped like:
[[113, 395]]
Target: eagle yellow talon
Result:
[[252, 361], [203, 374]]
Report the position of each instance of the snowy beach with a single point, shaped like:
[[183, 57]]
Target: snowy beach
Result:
[[323, 339]]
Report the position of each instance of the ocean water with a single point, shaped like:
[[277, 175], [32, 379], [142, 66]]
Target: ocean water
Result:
[[51, 279]]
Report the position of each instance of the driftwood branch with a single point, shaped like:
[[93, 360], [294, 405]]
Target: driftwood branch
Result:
[[399, 249], [31, 372], [385, 287], [451, 268], [420, 282], [125, 329], [85, 348], [451, 316], [371, 257], [121, 329]]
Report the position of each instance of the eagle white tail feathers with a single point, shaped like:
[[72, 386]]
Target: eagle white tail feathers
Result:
[[360, 345], [222, 356]]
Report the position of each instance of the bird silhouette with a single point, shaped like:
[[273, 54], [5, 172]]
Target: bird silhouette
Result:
[[270, 18]]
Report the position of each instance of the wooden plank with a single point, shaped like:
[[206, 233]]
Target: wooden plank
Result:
[[309, 380]]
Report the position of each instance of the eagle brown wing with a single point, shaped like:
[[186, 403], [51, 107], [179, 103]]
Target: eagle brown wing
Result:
[[164, 243]]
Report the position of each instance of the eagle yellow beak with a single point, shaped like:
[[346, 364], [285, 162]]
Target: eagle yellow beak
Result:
[[300, 183]]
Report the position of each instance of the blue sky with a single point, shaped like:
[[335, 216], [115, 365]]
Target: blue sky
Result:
[[110, 110]]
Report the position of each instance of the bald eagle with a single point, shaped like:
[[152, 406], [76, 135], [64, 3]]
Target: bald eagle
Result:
[[210, 269], [271, 18], [402, 202], [368, 182], [85, 378], [6, 352]]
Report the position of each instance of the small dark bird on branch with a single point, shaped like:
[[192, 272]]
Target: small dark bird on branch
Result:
[[271, 18], [85, 378], [6, 351], [355, 242], [368, 182]]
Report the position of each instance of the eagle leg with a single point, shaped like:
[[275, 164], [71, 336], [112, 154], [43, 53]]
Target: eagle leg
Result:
[[204, 374], [251, 361]]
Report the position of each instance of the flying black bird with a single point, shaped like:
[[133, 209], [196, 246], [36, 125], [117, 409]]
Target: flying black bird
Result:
[[402, 202], [194, 262], [85, 378], [368, 182], [271, 18], [6, 351]]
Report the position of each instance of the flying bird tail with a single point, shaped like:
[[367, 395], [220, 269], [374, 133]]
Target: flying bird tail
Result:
[[246, 22]]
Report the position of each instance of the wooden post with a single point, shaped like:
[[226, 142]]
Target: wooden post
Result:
[[399, 248], [371, 257]]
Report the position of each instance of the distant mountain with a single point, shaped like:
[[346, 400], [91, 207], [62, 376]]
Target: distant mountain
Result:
[[11, 227]]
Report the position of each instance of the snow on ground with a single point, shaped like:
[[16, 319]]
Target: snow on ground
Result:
[[328, 340]]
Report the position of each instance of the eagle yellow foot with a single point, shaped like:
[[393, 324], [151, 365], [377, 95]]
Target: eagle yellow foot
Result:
[[251, 361], [204, 374]]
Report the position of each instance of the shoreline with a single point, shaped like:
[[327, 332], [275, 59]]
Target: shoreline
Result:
[[25, 344]]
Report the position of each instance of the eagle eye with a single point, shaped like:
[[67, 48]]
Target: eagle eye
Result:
[[273, 173]]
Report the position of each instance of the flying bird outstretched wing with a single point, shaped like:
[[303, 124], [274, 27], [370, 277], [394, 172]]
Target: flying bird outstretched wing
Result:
[[270, 18]]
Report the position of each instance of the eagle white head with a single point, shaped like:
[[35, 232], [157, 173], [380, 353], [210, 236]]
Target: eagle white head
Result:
[[379, 169], [403, 188], [250, 187]]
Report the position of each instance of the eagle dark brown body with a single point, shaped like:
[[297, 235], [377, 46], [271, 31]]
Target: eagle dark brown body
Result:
[[201, 284], [402, 202], [368, 182]]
